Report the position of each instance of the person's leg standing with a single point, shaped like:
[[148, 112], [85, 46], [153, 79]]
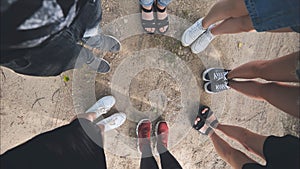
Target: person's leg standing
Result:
[[251, 141], [286, 97], [234, 157], [162, 15], [148, 20], [60, 52], [223, 10], [143, 133], [147, 159], [168, 161], [204, 123], [281, 69]]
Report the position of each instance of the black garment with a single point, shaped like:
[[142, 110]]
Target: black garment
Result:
[[280, 153], [59, 52], [77, 145], [168, 161]]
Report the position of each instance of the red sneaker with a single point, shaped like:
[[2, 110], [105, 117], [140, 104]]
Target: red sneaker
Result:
[[143, 132], [162, 133]]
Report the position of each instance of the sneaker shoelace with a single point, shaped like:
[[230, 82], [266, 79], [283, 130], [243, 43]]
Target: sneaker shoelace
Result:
[[113, 121], [144, 133], [195, 29], [220, 75], [100, 110], [220, 87]]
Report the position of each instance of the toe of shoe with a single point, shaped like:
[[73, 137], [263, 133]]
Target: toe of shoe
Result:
[[103, 67], [109, 101], [115, 48]]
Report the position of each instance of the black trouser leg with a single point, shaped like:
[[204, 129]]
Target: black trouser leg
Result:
[[168, 161], [147, 160]]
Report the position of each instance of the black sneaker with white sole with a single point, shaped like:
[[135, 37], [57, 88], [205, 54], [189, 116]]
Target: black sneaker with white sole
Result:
[[215, 74], [103, 42], [215, 87]]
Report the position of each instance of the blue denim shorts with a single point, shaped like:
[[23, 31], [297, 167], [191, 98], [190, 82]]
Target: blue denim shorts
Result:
[[274, 14], [150, 2]]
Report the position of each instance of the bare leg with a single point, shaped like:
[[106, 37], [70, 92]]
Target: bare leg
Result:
[[232, 156], [279, 69], [251, 141], [283, 96], [233, 25], [225, 9]]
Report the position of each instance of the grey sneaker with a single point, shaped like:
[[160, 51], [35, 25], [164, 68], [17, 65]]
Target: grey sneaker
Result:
[[203, 41], [192, 33], [112, 122], [96, 64], [103, 42], [215, 74], [102, 106], [99, 65], [215, 87]]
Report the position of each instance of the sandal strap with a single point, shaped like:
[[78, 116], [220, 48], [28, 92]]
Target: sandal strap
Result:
[[199, 124], [163, 22], [161, 10], [146, 10], [207, 114], [148, 23]]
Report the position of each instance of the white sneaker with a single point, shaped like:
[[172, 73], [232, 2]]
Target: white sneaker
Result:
[[203, 41], [102, 106], [192, 33], [113, 121]]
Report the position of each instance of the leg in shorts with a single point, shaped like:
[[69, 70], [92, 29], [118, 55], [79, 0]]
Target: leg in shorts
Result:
[[269, 15]]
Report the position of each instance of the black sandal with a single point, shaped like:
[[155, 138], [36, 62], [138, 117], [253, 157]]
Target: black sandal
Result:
[[148, 23], [162, 23]]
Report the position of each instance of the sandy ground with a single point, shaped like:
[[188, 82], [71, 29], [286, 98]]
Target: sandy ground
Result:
[[32, 105]]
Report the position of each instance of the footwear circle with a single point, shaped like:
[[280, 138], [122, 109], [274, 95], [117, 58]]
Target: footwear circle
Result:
[[135, 64]]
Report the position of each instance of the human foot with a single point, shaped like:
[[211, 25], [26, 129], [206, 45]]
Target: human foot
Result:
[[162, 21], [202, 127], [208, 116], [147, 18]]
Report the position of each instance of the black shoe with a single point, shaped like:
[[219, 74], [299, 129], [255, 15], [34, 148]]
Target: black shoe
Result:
[[103, 42]]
